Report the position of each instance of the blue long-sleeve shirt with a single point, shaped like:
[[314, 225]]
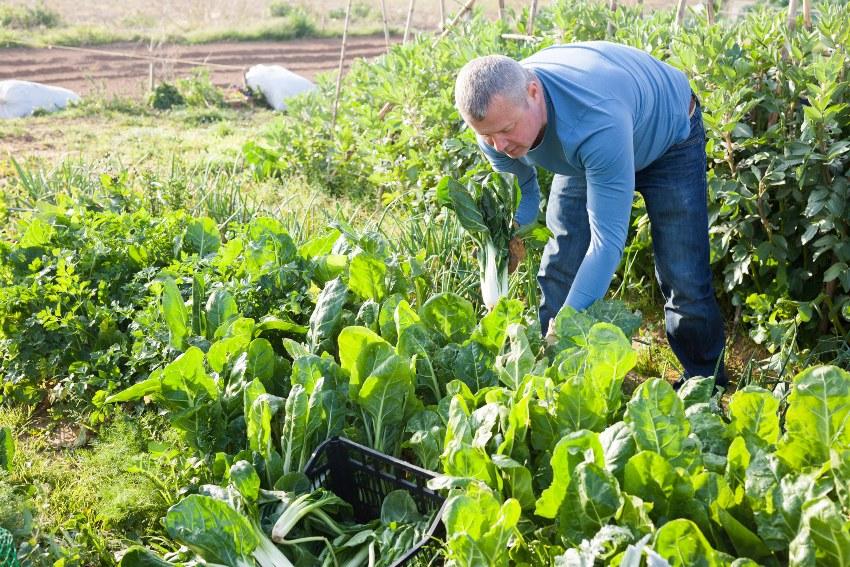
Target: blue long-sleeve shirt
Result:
[[611, 111]]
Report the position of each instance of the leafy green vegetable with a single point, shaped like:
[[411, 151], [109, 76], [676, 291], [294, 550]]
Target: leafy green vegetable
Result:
[[480, 526], [325, 320], [202, 236], [176, 315], [682, 544], [485, 210], [450, 315], [818, 416], [755, 415], [213, 530], [657, 418]]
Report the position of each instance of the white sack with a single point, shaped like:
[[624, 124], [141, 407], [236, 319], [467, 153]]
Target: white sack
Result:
[[22, 98], [276, 83]]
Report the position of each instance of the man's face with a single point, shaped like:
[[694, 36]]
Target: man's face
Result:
[[512, 128]]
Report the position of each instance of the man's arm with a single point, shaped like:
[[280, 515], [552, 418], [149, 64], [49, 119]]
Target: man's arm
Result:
[[608, 158], [529, 200]]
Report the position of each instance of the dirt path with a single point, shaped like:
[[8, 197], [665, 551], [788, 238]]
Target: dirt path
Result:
[[102, 70]]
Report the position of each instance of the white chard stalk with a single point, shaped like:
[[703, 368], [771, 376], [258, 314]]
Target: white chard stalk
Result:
[[494, 284]]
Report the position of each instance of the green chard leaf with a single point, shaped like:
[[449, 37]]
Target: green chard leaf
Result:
[[818, 417]]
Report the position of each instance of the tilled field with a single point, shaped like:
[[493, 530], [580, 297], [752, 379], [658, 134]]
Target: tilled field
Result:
[[121, 69]]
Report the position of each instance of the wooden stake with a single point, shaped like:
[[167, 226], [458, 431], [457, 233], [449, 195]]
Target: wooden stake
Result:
[[791, 22], [150, 69], [341, 62], [386, 24], [807, 16], [709, 11], [612, 5], [409, 18], [443, 14], [502, 10], [792, 15], [680, 14], [532, 14], [458, 16]]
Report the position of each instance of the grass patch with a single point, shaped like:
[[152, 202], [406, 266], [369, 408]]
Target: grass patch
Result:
[[28, 17], [297, 24], [131, 134], [65, 503], [71, 36]]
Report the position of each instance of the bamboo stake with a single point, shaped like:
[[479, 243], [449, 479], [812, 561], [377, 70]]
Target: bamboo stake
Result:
[[409, 18], [532, 14], [680, 14], [792, 15], [458, 16], [341, 62], [442, 14], [386, 24], [150, 69], [612, 5], [791, 22]]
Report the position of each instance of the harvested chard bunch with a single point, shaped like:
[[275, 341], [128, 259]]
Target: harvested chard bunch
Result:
[[485, 210]]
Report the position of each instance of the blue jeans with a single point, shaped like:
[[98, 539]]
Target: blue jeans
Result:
[[674, 189]]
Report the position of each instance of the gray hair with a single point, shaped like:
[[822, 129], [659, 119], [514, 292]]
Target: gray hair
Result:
[[482, 78]]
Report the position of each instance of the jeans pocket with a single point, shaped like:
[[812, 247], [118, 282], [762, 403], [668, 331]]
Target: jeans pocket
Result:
[[695, 136]]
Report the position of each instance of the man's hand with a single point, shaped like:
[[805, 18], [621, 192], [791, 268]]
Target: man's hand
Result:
[[516, 249], [551, 337]]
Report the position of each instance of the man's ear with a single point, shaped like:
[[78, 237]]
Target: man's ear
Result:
[[533, 90]]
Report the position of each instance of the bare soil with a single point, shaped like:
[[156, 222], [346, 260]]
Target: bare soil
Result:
[[121, 70]]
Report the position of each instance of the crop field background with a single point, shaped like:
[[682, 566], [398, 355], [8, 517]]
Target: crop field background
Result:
[[196, 291]]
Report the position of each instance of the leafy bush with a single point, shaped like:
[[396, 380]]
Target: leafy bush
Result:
[[166, 96], [301, 24], [199, 90], [196, 91]]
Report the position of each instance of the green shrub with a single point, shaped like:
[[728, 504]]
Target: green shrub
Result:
[[199, 90], [166, 96], [301, 24]]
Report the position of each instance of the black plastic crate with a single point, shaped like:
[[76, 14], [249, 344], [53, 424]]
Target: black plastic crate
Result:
[[363, 477]]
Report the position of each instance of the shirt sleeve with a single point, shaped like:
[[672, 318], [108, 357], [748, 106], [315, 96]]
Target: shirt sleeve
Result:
[[529, 188], [608, 159]]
